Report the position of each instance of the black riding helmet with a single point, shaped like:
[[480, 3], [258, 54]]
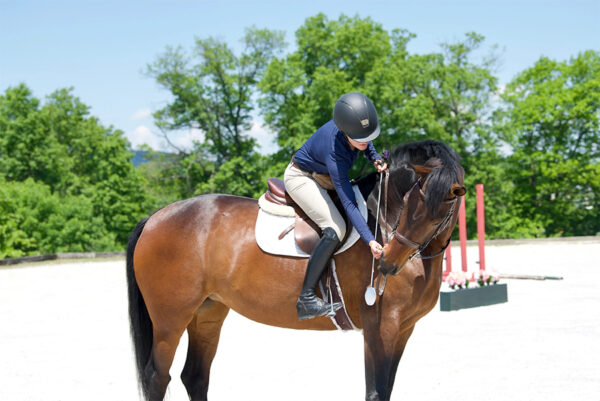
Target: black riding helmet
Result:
[[355, 115]]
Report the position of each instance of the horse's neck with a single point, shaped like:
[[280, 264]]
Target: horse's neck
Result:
[[353, 267]]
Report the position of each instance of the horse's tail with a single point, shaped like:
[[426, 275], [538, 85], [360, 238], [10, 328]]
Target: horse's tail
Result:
[[139, 319]]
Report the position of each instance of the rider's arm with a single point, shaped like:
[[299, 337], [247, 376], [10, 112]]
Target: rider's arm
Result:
[[338, 167], [371, 153]]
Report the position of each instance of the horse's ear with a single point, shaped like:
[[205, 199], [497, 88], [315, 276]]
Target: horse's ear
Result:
[[421, 171], [458, 190]]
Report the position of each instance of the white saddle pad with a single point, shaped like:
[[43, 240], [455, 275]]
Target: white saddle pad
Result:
[[270, 226]]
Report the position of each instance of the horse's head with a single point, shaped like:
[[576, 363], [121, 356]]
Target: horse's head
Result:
[[424, 190]]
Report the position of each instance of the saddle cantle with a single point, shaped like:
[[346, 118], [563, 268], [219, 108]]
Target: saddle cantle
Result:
[[276, 192]]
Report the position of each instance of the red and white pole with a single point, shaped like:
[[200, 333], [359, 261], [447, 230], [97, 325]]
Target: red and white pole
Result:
[[448, 261], [462, 234], [481, 226]]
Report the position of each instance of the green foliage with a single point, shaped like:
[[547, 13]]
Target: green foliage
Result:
[[212, 90], [67, 182], [441, 96], [35, 220], [445, 95], [62, 168], [237, 176], [552, 122], [332, 57]]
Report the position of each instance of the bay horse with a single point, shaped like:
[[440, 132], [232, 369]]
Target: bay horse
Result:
[[191, 262]]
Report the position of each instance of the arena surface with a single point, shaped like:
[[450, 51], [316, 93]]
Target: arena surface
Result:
[[64, 336]]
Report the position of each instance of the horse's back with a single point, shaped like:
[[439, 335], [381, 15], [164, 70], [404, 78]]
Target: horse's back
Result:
[[187, 224], [201, 212]]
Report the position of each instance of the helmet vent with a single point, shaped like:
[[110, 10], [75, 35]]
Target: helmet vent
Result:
[[364, 123]]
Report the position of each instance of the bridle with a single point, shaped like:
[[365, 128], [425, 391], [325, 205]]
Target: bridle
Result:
[[419, 248]]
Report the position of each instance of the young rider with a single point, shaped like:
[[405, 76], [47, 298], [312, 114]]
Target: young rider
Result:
[[332, 150]]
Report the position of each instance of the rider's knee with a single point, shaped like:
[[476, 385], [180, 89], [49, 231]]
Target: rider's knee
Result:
[[335, 232]]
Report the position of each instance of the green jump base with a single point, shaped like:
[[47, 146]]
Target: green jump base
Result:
[[473, 297]]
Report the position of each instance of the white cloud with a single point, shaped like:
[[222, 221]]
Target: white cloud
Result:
[[496, 98], [141, 114], [143, 135], [186, 139]]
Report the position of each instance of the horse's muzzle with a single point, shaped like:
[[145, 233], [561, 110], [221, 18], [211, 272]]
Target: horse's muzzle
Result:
[[388, 269]]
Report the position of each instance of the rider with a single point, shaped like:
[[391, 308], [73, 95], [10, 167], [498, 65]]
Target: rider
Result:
[[331, 151]]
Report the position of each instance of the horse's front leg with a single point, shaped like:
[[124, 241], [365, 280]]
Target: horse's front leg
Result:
[[384, 345]]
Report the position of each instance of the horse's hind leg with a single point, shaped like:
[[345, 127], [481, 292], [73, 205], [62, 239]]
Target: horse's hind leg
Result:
[[156, 373], [203, 332]]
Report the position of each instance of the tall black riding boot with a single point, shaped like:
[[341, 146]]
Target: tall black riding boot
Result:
[[309, 305]]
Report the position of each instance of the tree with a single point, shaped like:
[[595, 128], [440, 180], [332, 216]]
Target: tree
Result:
[[59, 145], [212, 90], [37, 221], [444, 96], [551, 120], [299, 91], [26, 149]]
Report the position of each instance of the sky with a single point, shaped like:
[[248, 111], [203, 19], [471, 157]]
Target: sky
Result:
[[101, 48]]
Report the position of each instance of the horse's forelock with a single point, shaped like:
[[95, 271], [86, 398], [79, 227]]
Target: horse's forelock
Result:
[[402, 177], [438, 183]]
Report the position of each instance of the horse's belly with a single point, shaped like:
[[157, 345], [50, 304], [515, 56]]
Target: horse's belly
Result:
[[265, 288], [273, 312]]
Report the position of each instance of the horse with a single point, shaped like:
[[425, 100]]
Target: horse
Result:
[[191, 262]]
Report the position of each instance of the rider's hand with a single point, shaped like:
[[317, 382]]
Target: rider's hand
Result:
[[380, 165], [376, 249]]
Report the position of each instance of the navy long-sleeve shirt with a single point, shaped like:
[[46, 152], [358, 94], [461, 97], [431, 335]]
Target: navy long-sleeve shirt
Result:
[[327, 151]]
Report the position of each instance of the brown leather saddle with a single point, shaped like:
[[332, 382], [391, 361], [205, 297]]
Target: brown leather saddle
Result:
[[306, 231]]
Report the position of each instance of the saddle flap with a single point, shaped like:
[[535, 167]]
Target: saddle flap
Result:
[[306, 233]]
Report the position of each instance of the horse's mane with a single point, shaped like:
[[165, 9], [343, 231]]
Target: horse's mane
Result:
[[444, 162]]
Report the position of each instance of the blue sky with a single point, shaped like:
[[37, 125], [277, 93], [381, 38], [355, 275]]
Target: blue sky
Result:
[[101, 47]]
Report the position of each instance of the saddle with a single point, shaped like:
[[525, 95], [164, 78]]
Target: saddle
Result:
[[306, 232]]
